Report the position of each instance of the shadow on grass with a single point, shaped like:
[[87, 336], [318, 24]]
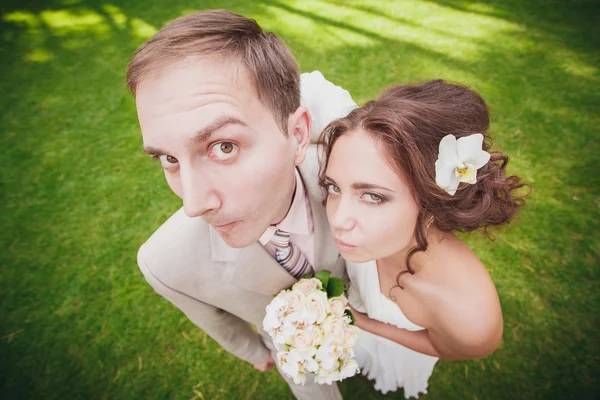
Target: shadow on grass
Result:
[[79, 197], [570, 22]]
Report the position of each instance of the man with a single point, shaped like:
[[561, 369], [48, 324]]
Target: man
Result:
[[218, 102]]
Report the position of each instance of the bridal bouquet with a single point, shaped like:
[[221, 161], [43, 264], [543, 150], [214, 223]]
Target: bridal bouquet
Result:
[[313, 330]]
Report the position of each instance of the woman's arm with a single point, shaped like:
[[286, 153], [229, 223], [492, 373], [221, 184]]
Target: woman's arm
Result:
[[415, 340], [452, 337]]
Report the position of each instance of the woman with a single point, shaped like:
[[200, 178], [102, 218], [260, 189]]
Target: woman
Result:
[[403, 173]]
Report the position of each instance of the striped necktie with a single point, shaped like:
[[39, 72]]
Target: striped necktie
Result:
[[289, 256]]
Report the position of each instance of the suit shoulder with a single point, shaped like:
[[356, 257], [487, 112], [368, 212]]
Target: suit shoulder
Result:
[[178, 239]]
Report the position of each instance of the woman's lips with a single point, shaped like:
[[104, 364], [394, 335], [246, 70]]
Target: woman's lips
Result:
[[343, 245]]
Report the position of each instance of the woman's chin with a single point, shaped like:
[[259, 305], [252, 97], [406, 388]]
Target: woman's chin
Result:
[[355, 256]]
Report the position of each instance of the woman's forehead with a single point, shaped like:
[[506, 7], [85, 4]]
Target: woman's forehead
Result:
[[357, 157]]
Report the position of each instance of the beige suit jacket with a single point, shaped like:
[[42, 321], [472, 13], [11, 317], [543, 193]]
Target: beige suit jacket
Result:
[[225, 290]]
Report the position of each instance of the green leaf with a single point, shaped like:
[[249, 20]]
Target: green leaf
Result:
[[349, 314], [323, 276], [335, 287], [306, 276]]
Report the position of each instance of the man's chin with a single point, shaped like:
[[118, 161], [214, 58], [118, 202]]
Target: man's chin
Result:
[[236, 243], [235, 236]]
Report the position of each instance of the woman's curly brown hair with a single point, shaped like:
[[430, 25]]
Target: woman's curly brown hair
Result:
[[409, 121]]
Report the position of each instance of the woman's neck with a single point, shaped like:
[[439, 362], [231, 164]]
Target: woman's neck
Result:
[[397, 261]]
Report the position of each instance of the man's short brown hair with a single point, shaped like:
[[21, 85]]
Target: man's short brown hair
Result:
[[270, 64]]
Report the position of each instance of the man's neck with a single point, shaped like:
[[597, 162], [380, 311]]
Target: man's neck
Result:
[[289, 202]]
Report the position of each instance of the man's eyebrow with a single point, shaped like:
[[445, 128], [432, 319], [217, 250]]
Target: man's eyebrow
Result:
[[205, 133], [361, 185], [153, 151]]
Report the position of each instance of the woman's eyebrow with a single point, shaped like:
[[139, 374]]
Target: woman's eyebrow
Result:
[[364, 185], [361, 185], [329, 179]]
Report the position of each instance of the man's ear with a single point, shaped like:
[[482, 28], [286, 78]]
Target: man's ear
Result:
[[299, 130]]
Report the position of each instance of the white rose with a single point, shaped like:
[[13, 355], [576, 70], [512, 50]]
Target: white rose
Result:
[[333, 327], [338, 305], [307, 338], [294, 300], [299, 340], [351, 334], [307, 285], [317, 303]]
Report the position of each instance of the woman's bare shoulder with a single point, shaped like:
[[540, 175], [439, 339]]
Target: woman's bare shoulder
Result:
[[451, 265], [456, 285]]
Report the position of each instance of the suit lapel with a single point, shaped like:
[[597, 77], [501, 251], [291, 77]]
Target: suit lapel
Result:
[[257, 271], [253, 268], [326, 253]]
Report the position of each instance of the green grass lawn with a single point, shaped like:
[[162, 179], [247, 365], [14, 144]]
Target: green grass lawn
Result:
[[78, 196]]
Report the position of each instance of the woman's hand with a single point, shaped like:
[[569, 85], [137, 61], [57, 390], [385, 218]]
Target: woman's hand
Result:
[[360, 319]]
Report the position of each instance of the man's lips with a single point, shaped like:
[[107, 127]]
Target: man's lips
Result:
[[225, 227]]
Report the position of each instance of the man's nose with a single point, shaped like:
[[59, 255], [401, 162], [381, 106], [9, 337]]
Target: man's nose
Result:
[[199, 194]]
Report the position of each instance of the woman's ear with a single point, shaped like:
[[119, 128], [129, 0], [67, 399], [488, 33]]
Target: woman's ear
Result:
[[299, 130]]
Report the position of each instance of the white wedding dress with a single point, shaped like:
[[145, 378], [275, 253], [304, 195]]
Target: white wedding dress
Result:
[[390, 364]]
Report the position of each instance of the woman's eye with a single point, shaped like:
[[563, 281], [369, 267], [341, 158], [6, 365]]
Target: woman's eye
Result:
[[224, 150], [167, 161], [331, 188], [373, 198]]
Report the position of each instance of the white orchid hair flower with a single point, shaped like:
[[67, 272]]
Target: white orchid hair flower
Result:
[[459, 160]]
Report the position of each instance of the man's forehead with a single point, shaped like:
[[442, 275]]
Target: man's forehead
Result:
[[191, 96], [194, 74]]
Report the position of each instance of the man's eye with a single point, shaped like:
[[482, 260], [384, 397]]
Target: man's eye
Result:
[[224, 150], [167, 161], [331, 188]]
